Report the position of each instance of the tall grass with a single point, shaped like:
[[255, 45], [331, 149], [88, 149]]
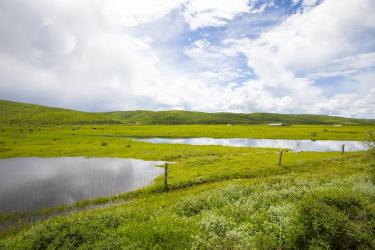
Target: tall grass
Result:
[[222, 197], [284, 212]]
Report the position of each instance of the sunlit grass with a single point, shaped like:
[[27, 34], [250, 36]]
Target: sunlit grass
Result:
[[221, 198]]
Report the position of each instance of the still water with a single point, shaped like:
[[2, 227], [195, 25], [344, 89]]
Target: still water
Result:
[[296, 145], [32, 183]]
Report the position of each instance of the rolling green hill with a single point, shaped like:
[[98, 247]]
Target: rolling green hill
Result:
[[12, 113], [190, 117]]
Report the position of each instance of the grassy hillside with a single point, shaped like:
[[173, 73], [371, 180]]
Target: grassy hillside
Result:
[[190, 117], [12, 113], [179, 117], [220, 198], [29, 114]]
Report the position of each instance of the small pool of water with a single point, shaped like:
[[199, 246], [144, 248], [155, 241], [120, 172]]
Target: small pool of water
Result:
[[33, 183], [296, 145]]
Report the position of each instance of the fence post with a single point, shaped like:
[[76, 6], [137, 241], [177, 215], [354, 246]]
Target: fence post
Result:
[[342, 149], [166, 187], [280, 157]]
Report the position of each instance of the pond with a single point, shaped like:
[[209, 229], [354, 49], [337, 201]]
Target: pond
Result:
[[296, 145], [33, 183]]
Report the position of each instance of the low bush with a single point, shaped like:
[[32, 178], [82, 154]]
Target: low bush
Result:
[[208, 200], [336, 219], [371, 151], [159, 232], [307, 212], [286, 214]]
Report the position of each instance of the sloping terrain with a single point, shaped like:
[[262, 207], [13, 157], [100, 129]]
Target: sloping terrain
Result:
[[190, 117], [13, 113], [31, 114]]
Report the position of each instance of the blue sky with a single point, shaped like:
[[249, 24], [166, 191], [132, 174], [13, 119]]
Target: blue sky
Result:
[[281, 56]]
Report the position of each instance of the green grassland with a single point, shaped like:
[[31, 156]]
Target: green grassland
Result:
[[309, 132], [190, 117], [221, 197], [13, 113], [293, 211], [193, 163]]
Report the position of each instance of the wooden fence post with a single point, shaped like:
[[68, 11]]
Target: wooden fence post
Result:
[[166, 187], [342, 149], [280, 157]]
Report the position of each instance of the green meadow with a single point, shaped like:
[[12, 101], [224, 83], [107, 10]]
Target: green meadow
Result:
[[220, 198], [187, 125], [309, 132], [16, 113]]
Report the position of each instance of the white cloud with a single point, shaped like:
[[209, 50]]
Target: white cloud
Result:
[[81, 54], [203, 52], [325, 41], [135, 12], [346, 66], [77, 54], [79, 58], [350, 104], [213, 12], [308, 4], [331, 30]]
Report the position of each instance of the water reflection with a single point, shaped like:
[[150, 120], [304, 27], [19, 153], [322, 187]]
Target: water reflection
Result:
[[296, 145], [32, 183]]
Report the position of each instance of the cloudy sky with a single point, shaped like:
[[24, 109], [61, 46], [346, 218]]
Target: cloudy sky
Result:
[[284, 56]]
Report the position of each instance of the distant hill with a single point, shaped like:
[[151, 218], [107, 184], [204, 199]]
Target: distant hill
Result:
[[23, 113], [190, 117]]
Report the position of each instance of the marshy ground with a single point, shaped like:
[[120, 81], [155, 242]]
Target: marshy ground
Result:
[[221, 197]]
